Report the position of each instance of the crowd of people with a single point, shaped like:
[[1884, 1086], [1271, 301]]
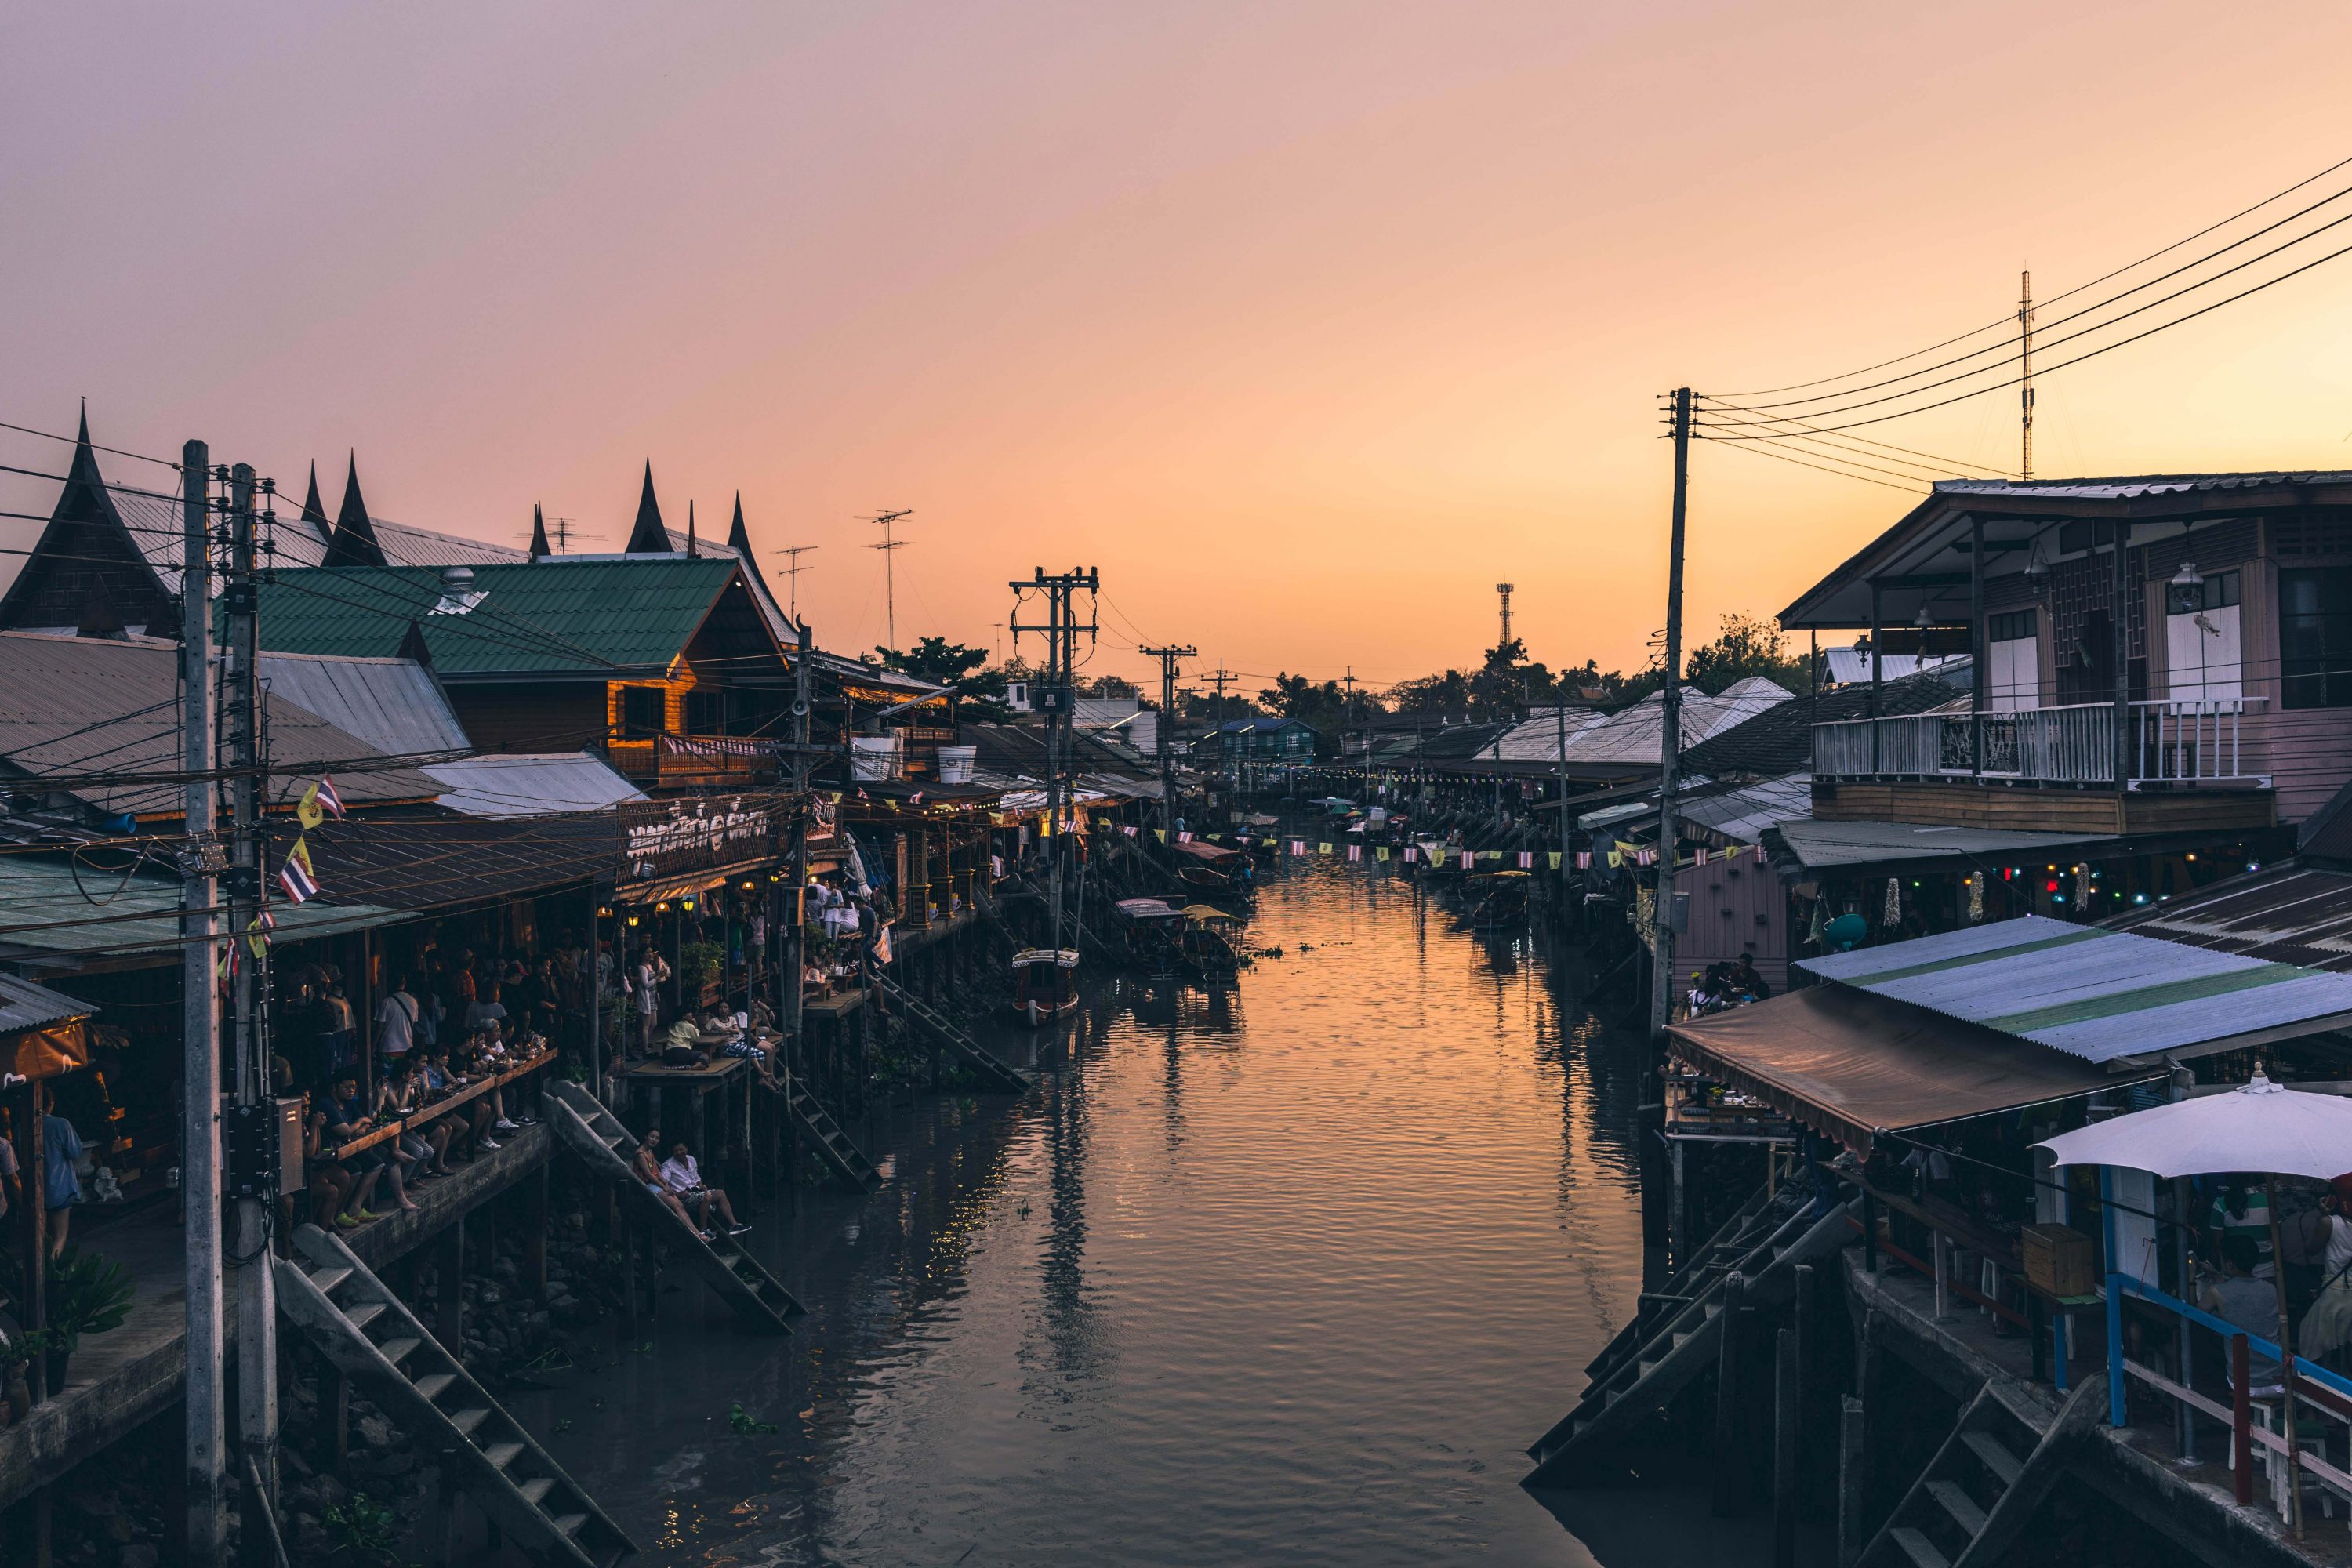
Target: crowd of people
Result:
[[1721, 986]]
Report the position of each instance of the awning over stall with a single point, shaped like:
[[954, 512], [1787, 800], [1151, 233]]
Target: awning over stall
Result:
[[1850, 1065], [43, 1032]]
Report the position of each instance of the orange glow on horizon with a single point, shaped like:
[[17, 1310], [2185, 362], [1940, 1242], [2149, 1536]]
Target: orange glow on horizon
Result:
[[1305, 324]]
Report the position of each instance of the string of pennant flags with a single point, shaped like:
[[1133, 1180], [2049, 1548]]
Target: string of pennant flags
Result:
[[1621, 853]]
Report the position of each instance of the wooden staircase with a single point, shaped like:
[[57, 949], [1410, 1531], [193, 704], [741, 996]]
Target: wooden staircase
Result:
[[597, 1135], [993, 1069], [1632, 1382], [833, 1145], [358, 1323], [1972, 1501]]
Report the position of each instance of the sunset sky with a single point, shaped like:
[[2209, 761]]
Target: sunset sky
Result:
[[1306, 322]]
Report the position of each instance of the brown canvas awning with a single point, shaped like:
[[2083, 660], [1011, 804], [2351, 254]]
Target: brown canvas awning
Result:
[[1850, 1065]]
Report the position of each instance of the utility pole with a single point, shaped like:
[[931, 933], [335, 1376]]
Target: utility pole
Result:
[[789, 982], [1559, 725], [200, 1173], [794, 552], [251, 1174], [1061, 629], [1168, 657], [1503, 589], [889, 547], [1662, 967], [2024, 379]]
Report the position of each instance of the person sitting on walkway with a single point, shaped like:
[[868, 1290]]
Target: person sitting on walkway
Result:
[[642, 1167], [331, 1183], [346, 1119], [684, 1176]]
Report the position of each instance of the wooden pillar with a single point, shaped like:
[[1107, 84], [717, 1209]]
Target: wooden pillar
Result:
[[1730, 1349], [534, 1235], [1786, 1393], [450, 1330], [335, 1409], [1854, 1461], [32, 1163], [2124, 587]]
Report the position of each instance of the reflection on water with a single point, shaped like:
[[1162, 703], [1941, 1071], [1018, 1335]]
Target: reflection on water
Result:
[[1290, 1272]]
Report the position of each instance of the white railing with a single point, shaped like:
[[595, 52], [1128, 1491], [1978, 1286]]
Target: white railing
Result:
[[2170, 741]]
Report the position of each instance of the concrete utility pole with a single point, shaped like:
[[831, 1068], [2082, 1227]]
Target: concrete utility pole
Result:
[[789, 996], [1168, 657], [1061, 628], [2024, 377], [889, 547], [1670, 715], [199, 1173], [254, 1174]]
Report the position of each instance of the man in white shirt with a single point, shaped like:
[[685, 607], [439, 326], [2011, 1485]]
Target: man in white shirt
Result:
[[395, 1023], [683, 1176]]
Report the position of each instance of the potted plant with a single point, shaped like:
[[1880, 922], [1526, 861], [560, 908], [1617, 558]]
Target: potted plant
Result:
[[87, 1295], [17, 1348]]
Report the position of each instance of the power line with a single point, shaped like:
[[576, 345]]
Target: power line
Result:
[[2102, 277]]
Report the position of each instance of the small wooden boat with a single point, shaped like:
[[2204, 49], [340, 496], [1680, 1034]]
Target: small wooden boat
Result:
[[1044, 984], [1206, 946], [1213, 869], [1152, 927], [1499, 899]]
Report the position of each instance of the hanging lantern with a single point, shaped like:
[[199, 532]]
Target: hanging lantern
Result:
[[1976, 896], [1894, 915]]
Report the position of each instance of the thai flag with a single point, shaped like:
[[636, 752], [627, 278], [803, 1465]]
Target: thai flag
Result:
[[296, 882], [1527, 858], [1584, 859], [329, 798], [1355, 851], [1410, 854], [1702, 855], [1185, 838], [1298, 846]]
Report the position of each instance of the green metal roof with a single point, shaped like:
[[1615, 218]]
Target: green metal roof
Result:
[[546, 616]]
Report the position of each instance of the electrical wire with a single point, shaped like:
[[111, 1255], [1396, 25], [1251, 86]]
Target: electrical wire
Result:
[[2102, 277]]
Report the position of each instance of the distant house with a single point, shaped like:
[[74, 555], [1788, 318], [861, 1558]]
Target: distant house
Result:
[[1257, 741]]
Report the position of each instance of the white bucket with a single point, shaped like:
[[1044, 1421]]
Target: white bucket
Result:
[[956, 762], [875, 757]]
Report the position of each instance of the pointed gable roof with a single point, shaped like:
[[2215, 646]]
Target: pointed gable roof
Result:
[[739, 540], [354, 542], [538, 549], [691, 551], [88, 539], [314, 513], [648, 537]]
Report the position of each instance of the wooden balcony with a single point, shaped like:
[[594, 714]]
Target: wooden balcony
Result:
[[2186, 766]]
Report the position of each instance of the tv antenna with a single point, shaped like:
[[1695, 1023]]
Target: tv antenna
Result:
[[794, 552], [889, 547]]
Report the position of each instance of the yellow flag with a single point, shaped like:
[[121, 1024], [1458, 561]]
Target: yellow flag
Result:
[[300, 856], [1322, 849], [1381, 853], [1555, 859], [308, 811], [1160, 834], [1615, 859]]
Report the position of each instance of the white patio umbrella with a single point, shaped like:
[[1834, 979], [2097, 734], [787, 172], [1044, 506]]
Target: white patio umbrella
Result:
[[2260, 1126]]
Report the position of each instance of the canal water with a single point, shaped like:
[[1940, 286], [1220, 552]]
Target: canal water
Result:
[[1289, 1273]]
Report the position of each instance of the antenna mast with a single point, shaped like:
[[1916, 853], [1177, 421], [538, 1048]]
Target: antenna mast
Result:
[[794, 552], [1505, 590], [889, 547]]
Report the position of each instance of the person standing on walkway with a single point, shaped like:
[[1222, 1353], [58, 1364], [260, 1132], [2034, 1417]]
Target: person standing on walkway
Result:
[[60, 1148]]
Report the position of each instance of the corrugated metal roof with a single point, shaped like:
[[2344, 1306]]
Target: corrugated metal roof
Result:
[[24, 1005], [2131, 487], [1849, 665], [2099, 995], [51, 916], [504, 784], [72, 705], [2298, 914], [1636, 734], [393, 705], [1743, 813], [561, 615], [1828, 845]]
